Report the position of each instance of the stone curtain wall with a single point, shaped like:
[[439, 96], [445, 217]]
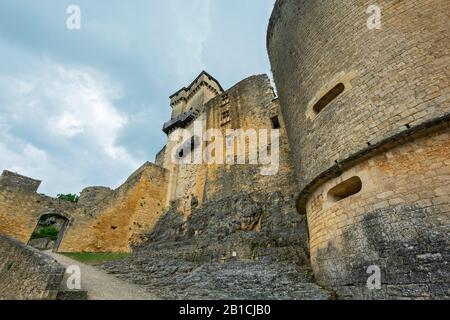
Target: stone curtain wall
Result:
[[21, 208], [252, 104], [10, 180], [396, 77], [27, 274], [121, 217], [103, 221], [396, 90]]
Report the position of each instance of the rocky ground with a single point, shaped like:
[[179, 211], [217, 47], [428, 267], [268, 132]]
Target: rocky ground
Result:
[[98, 285], [243, 247]]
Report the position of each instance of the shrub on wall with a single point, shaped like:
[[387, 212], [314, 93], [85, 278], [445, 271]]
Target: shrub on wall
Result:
[[69, 197]]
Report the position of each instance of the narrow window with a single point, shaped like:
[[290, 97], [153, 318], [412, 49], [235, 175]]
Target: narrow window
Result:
[[193, 142], [230, 140], [328, 98], [275, 122], [225, 117], [345, 189]]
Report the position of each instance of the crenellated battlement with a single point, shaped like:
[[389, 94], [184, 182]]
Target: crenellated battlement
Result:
[[188, 102]]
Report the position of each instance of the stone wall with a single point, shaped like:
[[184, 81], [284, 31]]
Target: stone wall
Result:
[[103, 221], [396, 78], [187, 180], [216, 253], [251, 104], [12, 181], [27, 274], [399, 221], [91, 196], [122, 217], [386, 125], [20, 211], [194, 97]]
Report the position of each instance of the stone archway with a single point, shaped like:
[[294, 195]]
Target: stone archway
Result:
[[49, 231]]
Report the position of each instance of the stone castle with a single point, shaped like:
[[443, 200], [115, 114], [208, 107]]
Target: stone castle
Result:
[[363, 178]]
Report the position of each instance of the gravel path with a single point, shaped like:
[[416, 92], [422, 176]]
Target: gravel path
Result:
[[102, 286]]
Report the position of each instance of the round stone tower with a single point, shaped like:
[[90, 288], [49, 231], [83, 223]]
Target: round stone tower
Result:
[[365, 92]]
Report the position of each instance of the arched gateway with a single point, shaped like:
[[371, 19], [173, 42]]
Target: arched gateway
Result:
[[49, 231]]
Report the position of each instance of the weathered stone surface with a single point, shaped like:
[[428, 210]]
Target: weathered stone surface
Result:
[[218, 253], [249, 105], [26, 273], [16, 182], [395, 77], [103, 221], [40, 244], [399, 221], [389, 127], [226, 231]]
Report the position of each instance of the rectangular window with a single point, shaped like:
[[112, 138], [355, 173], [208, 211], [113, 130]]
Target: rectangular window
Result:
[[275, 122]]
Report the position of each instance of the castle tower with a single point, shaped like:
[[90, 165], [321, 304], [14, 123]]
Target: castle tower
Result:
[[188, 106], [188, 103], [367, 113]]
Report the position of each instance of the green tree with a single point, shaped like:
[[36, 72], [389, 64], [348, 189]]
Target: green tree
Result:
[[69, 197], [50, 232]]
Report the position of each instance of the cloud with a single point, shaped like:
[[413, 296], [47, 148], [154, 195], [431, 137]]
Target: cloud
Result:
[[34, 162], [66, 107], [85, 107], [80, 108], [191, 30]]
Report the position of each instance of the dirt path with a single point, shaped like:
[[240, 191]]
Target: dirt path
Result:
[[102, 286]]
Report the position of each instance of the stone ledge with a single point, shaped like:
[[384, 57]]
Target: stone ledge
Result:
[[384, 145]]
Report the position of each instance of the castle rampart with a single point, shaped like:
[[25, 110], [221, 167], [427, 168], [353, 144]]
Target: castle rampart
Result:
[[367, 116], [104, 220], [248, 105], [26, 273], [13, 181]]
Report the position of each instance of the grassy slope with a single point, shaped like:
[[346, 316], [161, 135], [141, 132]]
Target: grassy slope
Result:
[[93, 258]]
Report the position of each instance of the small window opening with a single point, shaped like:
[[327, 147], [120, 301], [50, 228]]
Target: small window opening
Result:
[[275, 122], [328, 98], [225, 114], [189, 146], [113, 227], [225, 117], [194, 143], [345, 189]]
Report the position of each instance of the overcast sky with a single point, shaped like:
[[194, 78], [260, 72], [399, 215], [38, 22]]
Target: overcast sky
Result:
[[85, 107]]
